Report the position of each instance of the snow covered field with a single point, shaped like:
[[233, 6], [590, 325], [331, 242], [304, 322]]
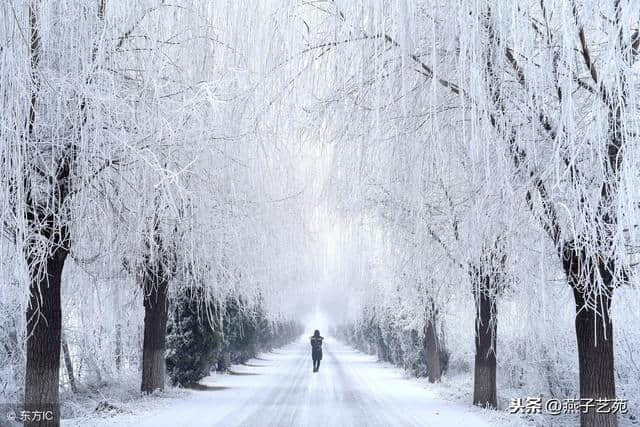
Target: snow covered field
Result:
[[279, 389]]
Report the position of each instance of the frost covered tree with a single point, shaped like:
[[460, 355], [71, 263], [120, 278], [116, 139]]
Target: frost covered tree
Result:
[[518, 78], [159, 149], [95, 95], [580, 200], [47, 121]]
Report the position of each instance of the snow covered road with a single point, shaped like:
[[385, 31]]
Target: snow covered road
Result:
[[280, 389]]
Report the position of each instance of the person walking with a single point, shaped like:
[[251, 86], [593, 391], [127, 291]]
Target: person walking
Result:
[[316, 350]]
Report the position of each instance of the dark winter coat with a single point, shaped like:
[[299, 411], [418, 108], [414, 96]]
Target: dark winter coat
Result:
[[316, 347]]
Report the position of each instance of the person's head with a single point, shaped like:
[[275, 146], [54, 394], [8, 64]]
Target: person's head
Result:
[[316, 333]]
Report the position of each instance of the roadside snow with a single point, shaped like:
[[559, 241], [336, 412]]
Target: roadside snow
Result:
[[279, 389]]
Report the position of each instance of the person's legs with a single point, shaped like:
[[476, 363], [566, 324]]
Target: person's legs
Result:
[[318, 365]]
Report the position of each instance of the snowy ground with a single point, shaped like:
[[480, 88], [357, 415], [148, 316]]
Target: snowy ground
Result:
[[279, 389]]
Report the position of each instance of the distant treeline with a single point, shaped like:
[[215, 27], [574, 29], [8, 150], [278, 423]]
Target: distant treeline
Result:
[[406, 348], [203, 336]]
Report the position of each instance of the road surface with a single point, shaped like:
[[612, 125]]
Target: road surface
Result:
[[279, 389]]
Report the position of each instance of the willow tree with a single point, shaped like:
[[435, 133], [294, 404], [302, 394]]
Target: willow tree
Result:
[[588, 169], [398, 166], [68, 125], [47, 126], [551, 86]]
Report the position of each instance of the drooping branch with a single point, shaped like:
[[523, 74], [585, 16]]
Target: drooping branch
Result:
[[35, 62], [424, 69], [549, 217], [584, 47]]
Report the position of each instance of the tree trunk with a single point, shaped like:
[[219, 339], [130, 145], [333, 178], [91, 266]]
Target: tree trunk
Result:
[[382, 351], [224, 360], [484, 378], [118, 347], [431, 349], [68, 365], [594, 334], [155, 323], [44, 325], [118, 338]]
